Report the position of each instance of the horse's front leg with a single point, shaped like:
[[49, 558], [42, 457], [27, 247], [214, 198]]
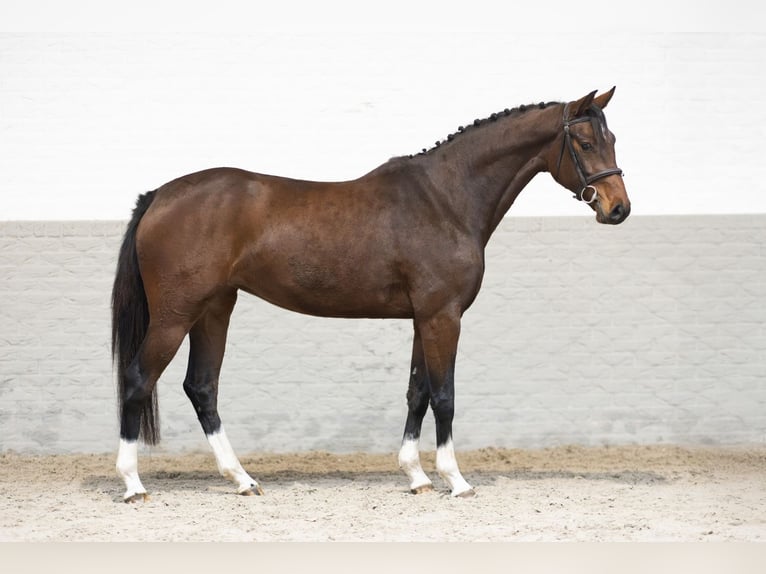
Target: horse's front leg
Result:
[[418, 396], [439, 334]]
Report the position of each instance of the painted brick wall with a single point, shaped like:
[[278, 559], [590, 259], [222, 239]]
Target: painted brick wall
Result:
[[650, 332]]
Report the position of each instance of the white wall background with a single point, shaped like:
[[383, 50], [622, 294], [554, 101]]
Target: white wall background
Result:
[[99, 103]]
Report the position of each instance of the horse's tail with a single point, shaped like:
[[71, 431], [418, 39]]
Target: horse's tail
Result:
[[130, 320]]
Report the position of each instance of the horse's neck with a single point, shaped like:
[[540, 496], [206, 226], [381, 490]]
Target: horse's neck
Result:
[[483, 171]]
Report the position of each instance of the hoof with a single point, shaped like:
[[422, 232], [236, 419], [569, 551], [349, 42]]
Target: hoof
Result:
[[422, 489], [254, 490], [137, 497], [470, 493]]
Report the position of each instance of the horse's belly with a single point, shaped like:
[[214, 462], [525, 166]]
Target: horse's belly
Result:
[[331, 288]]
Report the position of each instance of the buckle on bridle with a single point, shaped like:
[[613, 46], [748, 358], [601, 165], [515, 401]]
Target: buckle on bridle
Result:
[[581, 196]]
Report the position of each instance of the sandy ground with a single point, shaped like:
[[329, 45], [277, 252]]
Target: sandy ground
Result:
[[656, 493]]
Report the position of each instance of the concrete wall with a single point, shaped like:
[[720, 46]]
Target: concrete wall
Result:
[[650, 332]]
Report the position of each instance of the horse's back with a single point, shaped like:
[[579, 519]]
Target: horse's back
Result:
[[315, 247]]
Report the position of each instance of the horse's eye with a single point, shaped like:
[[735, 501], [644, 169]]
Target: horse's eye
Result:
[[586, 146]]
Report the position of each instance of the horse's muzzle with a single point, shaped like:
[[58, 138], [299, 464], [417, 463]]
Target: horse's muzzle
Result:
[[616, 215]]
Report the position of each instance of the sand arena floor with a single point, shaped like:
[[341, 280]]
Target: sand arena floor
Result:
[[656, 493]]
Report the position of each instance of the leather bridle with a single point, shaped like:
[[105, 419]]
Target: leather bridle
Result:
[[586, 180]]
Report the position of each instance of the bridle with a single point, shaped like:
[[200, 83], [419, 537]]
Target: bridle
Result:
[[586, 180]]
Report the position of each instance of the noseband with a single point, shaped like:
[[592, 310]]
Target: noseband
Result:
[[586, 180]]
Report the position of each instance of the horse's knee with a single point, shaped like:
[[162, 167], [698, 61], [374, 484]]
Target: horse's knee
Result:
[[443, 406], [417, 400]]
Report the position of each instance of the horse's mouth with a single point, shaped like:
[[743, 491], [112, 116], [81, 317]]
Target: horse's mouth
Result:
[[617, 215]]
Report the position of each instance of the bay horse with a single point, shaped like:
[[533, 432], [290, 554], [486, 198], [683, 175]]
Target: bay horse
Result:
[[405, 241]]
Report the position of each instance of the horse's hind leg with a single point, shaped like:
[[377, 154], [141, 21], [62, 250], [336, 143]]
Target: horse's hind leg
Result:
[[207, 344], [157, 349], [417, 404]]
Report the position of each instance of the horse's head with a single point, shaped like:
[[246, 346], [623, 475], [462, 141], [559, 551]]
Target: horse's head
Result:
[[582, 159]]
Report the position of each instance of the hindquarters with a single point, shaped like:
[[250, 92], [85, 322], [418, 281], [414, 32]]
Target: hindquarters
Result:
[[189, 239], [172, 263]]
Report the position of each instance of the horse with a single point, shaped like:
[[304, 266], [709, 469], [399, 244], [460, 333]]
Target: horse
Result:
[[404, 241]]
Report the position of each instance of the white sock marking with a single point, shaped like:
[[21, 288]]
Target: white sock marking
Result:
[[127, 468], [409, 462], [446, 465], [228, 463]]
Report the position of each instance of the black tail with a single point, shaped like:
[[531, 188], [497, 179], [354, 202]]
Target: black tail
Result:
[[130, 319]]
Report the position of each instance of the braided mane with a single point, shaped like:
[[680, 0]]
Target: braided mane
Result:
[[477, 123]]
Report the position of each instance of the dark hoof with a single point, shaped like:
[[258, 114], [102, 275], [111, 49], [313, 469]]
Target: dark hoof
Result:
[[466, 494], [422, 489], [254, 490], [138, 497]]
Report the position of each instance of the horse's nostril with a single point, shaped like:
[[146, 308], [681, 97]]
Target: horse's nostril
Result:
[[618, 213]]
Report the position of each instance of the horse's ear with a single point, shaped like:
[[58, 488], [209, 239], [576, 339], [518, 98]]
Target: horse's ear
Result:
[[582, 105], [602, 100]]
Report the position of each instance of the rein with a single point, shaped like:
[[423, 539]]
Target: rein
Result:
[[586, 180]]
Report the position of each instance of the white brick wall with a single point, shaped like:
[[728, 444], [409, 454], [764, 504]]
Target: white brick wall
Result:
[[649, 332]]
